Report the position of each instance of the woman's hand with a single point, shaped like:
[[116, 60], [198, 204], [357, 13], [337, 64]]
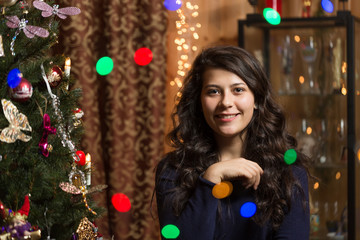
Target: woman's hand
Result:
[[238, 168]]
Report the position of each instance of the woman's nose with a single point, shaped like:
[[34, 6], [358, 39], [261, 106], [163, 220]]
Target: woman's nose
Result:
[[226, 100]]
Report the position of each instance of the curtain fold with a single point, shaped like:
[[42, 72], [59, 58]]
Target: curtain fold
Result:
[[125, 110]]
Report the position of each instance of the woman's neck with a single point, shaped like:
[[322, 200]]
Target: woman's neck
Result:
[[229, 148]]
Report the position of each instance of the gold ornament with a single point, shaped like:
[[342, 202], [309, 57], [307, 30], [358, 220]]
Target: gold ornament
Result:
[[35, 235], [76, 179], [17, 120], [7, 3], [86, 230]]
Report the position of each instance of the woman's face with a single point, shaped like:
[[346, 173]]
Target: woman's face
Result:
[[227, 102]]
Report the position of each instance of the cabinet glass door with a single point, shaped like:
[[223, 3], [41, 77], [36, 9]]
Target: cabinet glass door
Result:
[[308, 72], [314, 67]]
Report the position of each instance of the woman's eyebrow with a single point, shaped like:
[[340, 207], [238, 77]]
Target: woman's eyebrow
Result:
[[217, 86]]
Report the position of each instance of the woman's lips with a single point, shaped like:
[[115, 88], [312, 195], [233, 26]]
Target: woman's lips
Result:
[[226, 117]]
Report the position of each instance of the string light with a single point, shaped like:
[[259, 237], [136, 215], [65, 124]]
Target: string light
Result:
[[186, 35]]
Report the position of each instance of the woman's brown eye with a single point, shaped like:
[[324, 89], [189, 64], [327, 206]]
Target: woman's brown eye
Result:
[[238, 90], [213, 91]]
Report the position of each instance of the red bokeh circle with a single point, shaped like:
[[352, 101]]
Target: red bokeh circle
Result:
[[121, 202], [143, 56]]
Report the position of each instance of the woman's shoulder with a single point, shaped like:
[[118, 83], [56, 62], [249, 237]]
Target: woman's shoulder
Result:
[[299, 171], [300, 175]]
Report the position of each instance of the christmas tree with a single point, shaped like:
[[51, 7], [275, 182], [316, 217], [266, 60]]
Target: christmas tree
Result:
[[44, 176]]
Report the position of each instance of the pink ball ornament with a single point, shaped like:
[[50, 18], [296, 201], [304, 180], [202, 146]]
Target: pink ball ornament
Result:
[[82, 158], [22, 92]]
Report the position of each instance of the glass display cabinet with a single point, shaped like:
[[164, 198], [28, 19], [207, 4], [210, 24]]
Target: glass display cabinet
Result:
[[314, 66]]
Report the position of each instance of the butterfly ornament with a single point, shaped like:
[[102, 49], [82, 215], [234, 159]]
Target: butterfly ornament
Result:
[[48, 11], [18, 122]]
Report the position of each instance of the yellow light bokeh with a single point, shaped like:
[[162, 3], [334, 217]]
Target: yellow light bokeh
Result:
[[343, 67], [307, 3], [184, 57], [308, 130], [297, 38], [185, 40], [343, 91], [338, 175], [301, 79], [316, 185]]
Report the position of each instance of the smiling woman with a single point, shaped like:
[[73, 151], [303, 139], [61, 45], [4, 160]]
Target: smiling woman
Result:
[[227, 103], [229, 129]]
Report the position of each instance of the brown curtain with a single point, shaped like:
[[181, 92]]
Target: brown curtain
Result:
[[125, 110]]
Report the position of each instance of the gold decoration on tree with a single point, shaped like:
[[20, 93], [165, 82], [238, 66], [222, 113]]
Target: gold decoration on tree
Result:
[[85, 230], [17, 122]]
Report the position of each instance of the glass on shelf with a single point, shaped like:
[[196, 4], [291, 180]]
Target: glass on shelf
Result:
[[323, 153], [310, 47], [334, 68], [307, 140], [287, 61]]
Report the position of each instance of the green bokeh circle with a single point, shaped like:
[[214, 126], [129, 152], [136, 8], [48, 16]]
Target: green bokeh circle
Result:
[[290, 156], [272, 16], [104, 66], [170, 231]]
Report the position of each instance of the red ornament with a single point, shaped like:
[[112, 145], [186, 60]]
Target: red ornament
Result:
[[275, 4], [143, 56], [55, 76], [82, 158], [121, 202], [25, 209], [22, 92]]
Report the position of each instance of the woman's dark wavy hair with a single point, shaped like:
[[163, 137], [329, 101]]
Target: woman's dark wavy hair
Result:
[[266, 138]]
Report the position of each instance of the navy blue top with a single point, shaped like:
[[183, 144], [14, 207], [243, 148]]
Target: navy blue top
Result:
[[200, 219]]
